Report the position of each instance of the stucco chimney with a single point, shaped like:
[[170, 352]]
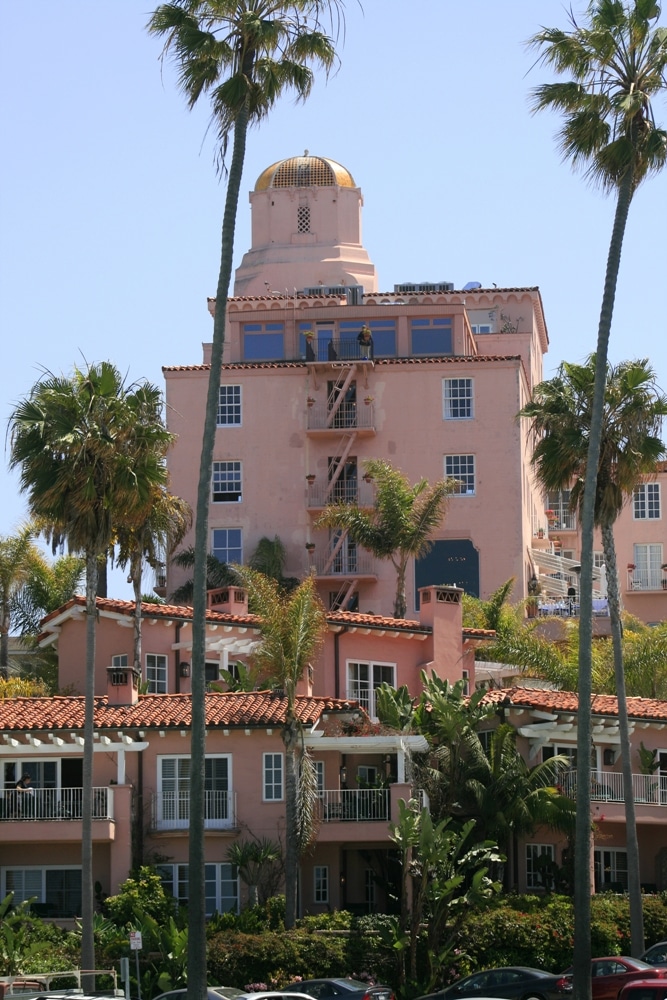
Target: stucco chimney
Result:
[[228, 600], [442, 609], [122, 685]]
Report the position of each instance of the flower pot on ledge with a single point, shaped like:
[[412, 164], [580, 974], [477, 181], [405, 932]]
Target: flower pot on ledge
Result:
[[310, 479]]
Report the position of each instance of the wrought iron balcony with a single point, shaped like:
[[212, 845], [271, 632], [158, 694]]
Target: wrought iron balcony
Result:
[[171, 810], [60, 804]]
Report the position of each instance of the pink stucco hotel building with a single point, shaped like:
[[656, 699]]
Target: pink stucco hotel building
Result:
[[303, 404]]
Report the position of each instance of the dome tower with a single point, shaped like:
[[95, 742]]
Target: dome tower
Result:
[[306, 229]]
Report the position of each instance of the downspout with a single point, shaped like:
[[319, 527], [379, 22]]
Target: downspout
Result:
[[337, 636], [177, 651]]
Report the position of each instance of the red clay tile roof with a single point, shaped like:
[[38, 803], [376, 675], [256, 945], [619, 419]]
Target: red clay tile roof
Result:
[[568, 701], [448, 359], [184, 613], [164, 711]]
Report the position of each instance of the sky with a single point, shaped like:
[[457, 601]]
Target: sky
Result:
[[111, 208]]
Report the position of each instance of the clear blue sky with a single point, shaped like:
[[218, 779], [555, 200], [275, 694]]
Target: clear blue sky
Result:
[[111, 208]]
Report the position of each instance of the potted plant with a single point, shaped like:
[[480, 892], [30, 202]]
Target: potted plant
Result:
[[310, 401], [310, 478], [534, 590], [368, 400], [631, 567], [310, 547]]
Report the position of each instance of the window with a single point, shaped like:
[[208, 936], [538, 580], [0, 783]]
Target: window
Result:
[[57, 889], [227, 546], [648, 559], [481, 328], [226, 482], [611, 867], [273, 777], [646, 502], [369, 889], [221, 881], [535, 873], [465, 677], [383, 332], [319, 777], [173, 800], [368, 776], [364, 678], [321, 880], [560, 516], [431, 336], [229, 406], [457, 398], [598, 560], [156, 673], [303, 219], [211, 671], [462, 469], [120, 660], [263, 341]]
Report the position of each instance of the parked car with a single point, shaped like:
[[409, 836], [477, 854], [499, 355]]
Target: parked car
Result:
[[644, 989], [656, 954], [610, 975], [275, 995], [213, 993], [515, 982], [343, 989]]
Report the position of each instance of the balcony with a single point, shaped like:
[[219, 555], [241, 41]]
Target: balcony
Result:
[[646, 579], [171, 810], [607, 786], [53, 804], [333, 350], [345, 564], [347, 417], [352, 805], [348, 491]]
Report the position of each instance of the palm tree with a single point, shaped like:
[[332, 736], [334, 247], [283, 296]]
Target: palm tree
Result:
[[244, 54], [218, 574], [616, 64], [292, 627], [561, 412], [47, 587], [400, 524], [90, 453], [251, 858], [166, 522], [18, 553], [269, 558]]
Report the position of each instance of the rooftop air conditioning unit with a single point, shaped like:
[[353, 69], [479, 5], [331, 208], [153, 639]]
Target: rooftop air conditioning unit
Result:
[[402, 289], [445, 286], [355, 295], [316, 290], [335, 290]]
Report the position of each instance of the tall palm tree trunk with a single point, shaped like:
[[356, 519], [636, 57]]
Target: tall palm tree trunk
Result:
[[631, 842], [87, 938], [291, 831], [135, 573], [197, 896], [582, 849]]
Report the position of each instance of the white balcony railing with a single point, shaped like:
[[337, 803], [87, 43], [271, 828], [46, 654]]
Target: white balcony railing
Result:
[[354, 805], [349, 491], [53, 804], [346, 563], [348, 416], [171, 810], [646, 579], [607, 786]]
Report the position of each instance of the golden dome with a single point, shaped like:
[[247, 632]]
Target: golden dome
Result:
[[304, 171]]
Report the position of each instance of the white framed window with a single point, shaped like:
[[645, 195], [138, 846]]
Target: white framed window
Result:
[[173, 799], [598, 559], [319, 777], [119, 660], [226, 482], [221, 886], [273, 777], [364, 678], [611, 866], [369, 889], [481, 328], [56, 888], [227, 545], [457, 398], [156, 673], [321, 883], [646, 502], [368, 776], [229, 406], [461, 468], [561, 518], [647, 574], [534, 874]]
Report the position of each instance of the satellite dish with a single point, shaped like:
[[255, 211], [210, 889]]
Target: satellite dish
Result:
[[472, 286]]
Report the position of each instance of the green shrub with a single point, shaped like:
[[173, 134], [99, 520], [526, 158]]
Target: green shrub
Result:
[[141, 894]]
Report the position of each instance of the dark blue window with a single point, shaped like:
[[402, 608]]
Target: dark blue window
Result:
[[263, 341], [431, 336], [454, 562]]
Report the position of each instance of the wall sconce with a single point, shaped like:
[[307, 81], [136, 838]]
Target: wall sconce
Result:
[[184, 669], [343, 774]]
